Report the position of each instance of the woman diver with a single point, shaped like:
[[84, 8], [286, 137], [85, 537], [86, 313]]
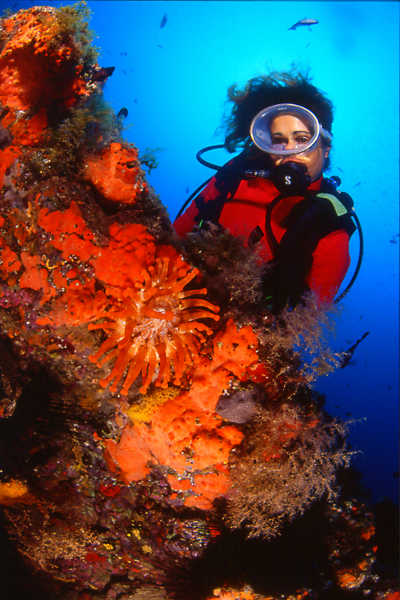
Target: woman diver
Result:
[[273, 194]]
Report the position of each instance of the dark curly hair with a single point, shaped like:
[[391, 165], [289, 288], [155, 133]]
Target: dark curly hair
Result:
[[266, 90]]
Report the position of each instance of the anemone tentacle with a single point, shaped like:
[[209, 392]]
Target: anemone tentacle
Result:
[[155, 332]]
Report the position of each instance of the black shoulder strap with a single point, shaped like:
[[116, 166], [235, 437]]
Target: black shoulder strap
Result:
[[339, 206], [319, 214]]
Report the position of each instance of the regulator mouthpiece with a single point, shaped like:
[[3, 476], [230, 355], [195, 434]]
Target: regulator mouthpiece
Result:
[[290, 178], [260, 130]]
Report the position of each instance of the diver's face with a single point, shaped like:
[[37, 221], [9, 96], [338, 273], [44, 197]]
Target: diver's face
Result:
[[291, 131]]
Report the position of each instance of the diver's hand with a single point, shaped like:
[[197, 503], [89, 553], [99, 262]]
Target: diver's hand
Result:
[[284, 283]]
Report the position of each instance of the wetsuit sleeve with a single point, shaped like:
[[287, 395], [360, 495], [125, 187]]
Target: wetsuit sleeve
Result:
[[187, 220], [331, 259]]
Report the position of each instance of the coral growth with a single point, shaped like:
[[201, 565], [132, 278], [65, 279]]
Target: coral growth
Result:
[[116, 173], [12, 491], [236, 285], [185, 435], [353, 544], [290, 461], [247, 593], [38, 43]]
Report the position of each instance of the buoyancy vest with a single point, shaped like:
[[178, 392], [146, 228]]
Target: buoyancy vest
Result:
[[317, 213], [310, 220], [291, 238]]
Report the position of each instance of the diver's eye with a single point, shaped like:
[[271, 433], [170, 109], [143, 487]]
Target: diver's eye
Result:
[[279, 139], [302, 139]]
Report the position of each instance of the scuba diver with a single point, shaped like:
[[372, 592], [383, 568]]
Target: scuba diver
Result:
[[273, 194]]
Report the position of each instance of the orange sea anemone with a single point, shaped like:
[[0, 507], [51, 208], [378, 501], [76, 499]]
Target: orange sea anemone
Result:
[[155, 330]]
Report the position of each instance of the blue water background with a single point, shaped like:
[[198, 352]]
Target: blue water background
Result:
[[173, 81]]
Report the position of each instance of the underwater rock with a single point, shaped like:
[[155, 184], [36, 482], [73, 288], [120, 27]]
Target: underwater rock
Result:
[[129, 389], [240, 406]]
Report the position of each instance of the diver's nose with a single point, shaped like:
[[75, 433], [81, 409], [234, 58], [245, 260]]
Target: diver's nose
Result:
[[290, 144]]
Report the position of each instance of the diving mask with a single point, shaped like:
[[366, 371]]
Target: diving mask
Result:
[[260, 130]]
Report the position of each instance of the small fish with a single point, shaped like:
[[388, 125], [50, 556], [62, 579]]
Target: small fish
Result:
[[164, 21], [102, 73], [123, 113], [123, 53], [348, 354], [304, 22], [159, 46]]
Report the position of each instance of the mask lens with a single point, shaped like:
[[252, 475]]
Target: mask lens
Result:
[[274, 143]]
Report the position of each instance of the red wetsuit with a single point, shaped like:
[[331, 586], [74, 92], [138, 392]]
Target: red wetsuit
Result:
[[246, 210]]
